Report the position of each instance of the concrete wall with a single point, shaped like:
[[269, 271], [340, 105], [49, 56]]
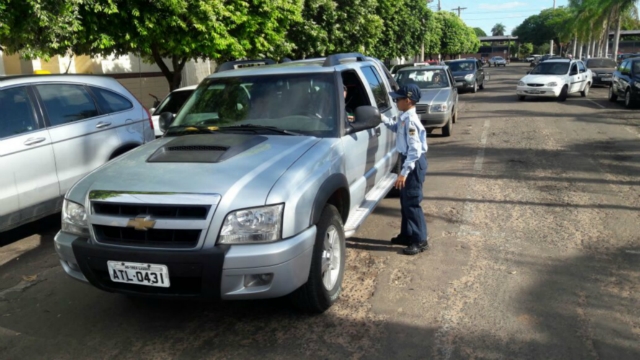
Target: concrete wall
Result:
[[2, 63]]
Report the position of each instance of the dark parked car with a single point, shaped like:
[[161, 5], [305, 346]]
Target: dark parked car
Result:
[[468, 74], [395, 68], [622, 57], [625, 82], [544, 58], [602, 69]]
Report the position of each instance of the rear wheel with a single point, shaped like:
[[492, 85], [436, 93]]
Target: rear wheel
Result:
[[585, 92], [327, 265], [612, 95]]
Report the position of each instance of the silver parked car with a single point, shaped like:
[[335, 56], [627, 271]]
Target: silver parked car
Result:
[[54, 129], [497, 61], [438, 106]]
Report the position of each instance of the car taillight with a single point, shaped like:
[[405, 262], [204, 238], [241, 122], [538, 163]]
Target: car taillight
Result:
[[149, 117]]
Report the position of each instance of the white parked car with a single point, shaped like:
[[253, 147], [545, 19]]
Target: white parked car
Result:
[[531, 58], [172, 103], [497, 61], [556, 78]]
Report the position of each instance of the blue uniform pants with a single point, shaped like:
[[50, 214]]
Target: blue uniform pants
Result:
[[413, 224]]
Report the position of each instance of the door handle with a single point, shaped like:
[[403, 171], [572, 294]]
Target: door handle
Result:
[[33, 141], [378, 132], [101, 125]]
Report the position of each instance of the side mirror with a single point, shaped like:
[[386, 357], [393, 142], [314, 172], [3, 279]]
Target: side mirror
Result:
[[151, 110], [366, 117], [166, 118]]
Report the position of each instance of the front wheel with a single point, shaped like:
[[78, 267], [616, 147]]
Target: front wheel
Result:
[[628, 103], [585, 92], [481, 86], [563, 93], [327, 265], [447, 129], [475, 87], [612, 94]]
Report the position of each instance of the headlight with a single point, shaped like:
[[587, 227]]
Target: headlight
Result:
[[594, 74], [438, 108], [521, 83], [552, 84], [256, 225], [637, 85], [74, 219], [468, 77]]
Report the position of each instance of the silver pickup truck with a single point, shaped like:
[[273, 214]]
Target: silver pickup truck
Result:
[[249, 194]]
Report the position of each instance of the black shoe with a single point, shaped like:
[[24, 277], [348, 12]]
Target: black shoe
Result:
[[415, 249], [400, 240]]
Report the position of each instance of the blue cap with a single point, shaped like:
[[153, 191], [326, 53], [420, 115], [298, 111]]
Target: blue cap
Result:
[[409, 91]]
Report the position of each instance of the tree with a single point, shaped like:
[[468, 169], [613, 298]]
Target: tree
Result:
[[180, 30], [550, 24], [479, 32], [455, 33], [309, 35], [498, 29], [526, 49], [404, 28], [37, 28]]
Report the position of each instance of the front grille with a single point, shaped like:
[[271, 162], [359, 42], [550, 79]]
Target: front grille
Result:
[[197, 148], [535, 85], [165, 238], [195, 212], [422, 109]]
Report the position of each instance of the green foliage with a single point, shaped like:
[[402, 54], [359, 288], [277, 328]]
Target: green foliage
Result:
[[526, 49], [549, 24], [498, 29], [455, 36], [479, 32]]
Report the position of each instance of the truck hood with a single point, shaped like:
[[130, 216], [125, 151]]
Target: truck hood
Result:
[[434, 96], [218, 163]]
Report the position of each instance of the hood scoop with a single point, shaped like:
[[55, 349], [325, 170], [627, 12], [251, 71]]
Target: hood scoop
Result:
[[208, 148]]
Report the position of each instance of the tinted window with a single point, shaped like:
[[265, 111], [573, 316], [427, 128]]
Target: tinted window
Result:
[[601, 63], [110, 101], [623, 66], [581, 67], [380, 92], [551, 68], [173, 102], [66, 103], [17, 114], [574, 69], [636, 67], [462, 66]]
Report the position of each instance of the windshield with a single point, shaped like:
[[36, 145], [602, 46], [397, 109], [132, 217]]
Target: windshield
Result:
[[462, 66], [173, 102], [601, 63], [304, 103], [425, 79], [551, 68], [498, 58]]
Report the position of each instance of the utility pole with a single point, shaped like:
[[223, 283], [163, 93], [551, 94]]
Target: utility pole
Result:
[[439, 7], [458, 9], [551, 43]]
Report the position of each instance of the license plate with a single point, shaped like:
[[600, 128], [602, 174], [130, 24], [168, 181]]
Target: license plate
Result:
[[139, 273], [533, 92]]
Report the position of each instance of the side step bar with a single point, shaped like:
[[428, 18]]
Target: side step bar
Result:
[[371, 200]]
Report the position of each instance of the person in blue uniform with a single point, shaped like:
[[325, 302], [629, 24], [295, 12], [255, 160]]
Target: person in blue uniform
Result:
[[411, 143]]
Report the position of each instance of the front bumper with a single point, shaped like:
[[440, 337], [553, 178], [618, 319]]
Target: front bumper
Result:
[[542, 91], [217, 273], [464, 83], [434, 120]]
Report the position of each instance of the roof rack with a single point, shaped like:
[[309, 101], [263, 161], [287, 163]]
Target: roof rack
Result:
[[232, 65], [333, 60]]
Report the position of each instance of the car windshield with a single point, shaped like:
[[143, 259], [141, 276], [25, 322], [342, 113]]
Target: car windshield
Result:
[[397, 68], [462, 66], [551, 68], [425, 79], [173, 102], [498, 58], [601, 63], [301, 103]]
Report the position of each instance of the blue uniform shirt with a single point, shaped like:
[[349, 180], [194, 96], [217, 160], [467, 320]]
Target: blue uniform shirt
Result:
[[411, 140]]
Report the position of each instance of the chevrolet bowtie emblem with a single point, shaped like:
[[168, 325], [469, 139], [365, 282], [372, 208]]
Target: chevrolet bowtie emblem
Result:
[[141, 223]]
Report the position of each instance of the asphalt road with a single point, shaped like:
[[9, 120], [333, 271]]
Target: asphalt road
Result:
[[533, 211]]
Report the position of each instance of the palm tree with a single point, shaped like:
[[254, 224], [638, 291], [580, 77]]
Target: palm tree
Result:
[[498, 29]]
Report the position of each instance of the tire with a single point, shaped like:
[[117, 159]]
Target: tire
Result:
[[454, 115], [447, 129], [521, 97], [628, 103], [563, 94], [585, 92], [475, 87], [612, 95], [481, 86], [323, 288]]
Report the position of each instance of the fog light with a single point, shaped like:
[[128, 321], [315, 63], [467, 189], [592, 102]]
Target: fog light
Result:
[[73, 266], [257, 280]]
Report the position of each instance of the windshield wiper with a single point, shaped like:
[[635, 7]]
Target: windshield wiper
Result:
[[260, 127]]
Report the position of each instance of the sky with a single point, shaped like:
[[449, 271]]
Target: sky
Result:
[[486, 13]]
